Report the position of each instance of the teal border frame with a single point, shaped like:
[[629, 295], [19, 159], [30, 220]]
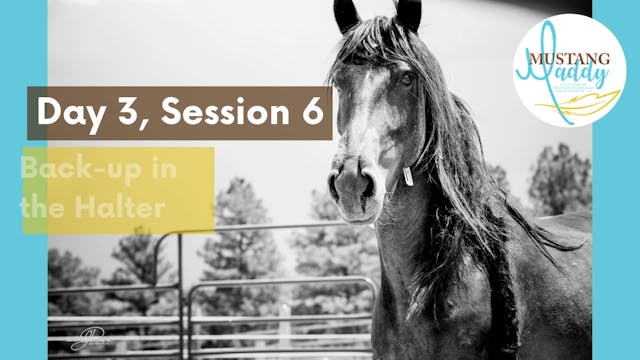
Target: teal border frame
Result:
[[616, 177], [23, 259], [616, 200]]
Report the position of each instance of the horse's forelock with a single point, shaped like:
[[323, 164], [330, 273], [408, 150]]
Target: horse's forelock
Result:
[[377, 42]]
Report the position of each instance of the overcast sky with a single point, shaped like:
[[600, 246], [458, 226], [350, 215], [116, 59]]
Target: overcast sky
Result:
[[289, 42]]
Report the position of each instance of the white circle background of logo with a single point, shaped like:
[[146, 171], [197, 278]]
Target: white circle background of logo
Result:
[[577, 102]]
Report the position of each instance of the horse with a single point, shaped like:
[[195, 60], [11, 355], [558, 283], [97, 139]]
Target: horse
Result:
[[465, 273]]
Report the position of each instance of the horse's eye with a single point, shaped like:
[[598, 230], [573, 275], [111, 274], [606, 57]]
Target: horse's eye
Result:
[[408, 78]]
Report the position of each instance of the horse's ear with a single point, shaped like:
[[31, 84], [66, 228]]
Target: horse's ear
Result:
[[409, 14], [346, 15]]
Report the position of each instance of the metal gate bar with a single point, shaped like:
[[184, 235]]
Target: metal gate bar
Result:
[[178, 286], [264, 282]]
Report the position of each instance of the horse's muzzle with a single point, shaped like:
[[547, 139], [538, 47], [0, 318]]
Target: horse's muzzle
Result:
[[353, 188]]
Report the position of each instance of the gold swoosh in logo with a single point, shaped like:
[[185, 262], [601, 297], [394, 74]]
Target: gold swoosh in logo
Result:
[[585, 105]]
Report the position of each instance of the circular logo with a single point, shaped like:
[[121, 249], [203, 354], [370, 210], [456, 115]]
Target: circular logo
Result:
[[569, 70]]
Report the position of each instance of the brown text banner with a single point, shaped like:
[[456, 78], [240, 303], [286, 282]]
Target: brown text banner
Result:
[[179, 113]]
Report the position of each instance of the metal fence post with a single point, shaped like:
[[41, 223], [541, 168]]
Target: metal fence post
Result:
[[180, 299], [284, 328]]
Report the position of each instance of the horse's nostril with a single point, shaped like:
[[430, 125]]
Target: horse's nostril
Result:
[[370, 190], [331, 180]]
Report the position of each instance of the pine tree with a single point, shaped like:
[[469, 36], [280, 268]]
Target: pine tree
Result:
[[67, 270], [499, 174], [561, 182], [135, 253], [334, 251], [239, 255]]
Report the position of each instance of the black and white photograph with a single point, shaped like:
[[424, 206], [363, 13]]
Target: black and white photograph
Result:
[[441, 221]]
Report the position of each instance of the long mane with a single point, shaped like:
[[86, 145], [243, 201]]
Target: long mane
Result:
[[472, 211]]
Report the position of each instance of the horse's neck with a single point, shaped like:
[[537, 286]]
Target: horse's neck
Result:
[[400, 228]]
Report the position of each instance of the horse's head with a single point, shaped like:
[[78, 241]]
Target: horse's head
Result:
[[380, 76]]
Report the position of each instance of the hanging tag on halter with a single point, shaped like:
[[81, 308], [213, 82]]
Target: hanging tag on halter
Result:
[[408, 179]]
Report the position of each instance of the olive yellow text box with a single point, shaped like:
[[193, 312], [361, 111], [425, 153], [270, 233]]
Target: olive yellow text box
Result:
[[114, 190]]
